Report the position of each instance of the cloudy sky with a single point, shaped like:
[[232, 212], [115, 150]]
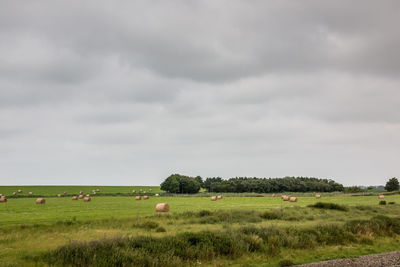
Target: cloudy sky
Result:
[[128, 92]]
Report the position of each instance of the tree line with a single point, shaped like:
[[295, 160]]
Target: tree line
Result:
[[177, 183]]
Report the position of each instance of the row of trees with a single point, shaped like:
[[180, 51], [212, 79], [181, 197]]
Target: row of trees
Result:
[[177, 183], [271, 185]]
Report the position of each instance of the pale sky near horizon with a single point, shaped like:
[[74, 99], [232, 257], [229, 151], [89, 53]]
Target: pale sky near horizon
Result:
[[129, 92]]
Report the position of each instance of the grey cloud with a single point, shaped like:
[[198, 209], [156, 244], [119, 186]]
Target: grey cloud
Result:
[[129, 92]]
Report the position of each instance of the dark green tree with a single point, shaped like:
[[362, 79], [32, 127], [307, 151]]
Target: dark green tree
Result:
[[392, 184], [171, 184], [177, 183]]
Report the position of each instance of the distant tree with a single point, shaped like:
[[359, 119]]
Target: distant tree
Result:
[[171, 184], [392, 184], [177, 183], [200, 181]]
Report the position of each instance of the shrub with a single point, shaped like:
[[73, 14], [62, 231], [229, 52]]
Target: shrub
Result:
[[382, 202], [330, 206]]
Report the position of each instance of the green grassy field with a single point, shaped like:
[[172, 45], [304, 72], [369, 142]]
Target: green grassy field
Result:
[[52, 191], [28, 230]]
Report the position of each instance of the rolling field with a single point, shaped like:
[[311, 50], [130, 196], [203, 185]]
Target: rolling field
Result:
[[258, 231], [25, 211], [52, 191]]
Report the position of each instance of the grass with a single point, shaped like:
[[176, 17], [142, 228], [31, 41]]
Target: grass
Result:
[[52, 191], [258, 231]]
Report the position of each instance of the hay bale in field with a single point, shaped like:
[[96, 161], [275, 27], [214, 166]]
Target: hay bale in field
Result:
[[97, 190], [273, 195], [3, 199], [94, 193], [59, 195], [293, 199], [19, 191], [219, 197], [87, 195], [145, 197], [144, 192], [157, 195], [14, 193], [87, 199], [150, 189], [74, 198], [138, 197], [30, 193], [140, 189], [133, 191], [80, 193], [40, 201], [317, 196], [80, 197], [285, 198], [162, 207], [65, 193], [381, 196], [213, 198]]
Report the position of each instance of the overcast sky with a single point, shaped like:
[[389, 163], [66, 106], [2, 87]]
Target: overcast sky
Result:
[[129, 92]]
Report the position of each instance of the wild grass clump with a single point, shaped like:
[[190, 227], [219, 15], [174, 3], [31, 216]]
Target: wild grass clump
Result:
[[271, 215], [187, 248], [329, 206], [148, 225]]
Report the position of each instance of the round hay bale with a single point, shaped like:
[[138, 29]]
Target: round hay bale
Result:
[[3, 199], [219, 197], [19, 191], [14, 193], [157, 195], [30, 193], [65, 193], [133, 191], [80, 197], [74, 198], [293, 199], [40, 201], [94, 193], [317, 196], [381, 196], [138, 197], [145, 197], [213, 198], [59, 195], [150, 189], [87, 199], [88, 195], [80, 193], [144, 192], [273, 195], [97, 190], [162, 207], [285, 198]]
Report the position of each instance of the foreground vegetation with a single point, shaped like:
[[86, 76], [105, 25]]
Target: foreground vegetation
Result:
[[256, 231]]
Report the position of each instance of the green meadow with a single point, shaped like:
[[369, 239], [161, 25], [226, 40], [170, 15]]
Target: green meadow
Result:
[[237, 230]]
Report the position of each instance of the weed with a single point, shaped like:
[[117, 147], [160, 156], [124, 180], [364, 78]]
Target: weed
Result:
[[329, 206]]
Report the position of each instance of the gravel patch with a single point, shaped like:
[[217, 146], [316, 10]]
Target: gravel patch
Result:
[[391, 259]]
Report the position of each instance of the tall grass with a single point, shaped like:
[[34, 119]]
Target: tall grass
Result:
[[188, 247]]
